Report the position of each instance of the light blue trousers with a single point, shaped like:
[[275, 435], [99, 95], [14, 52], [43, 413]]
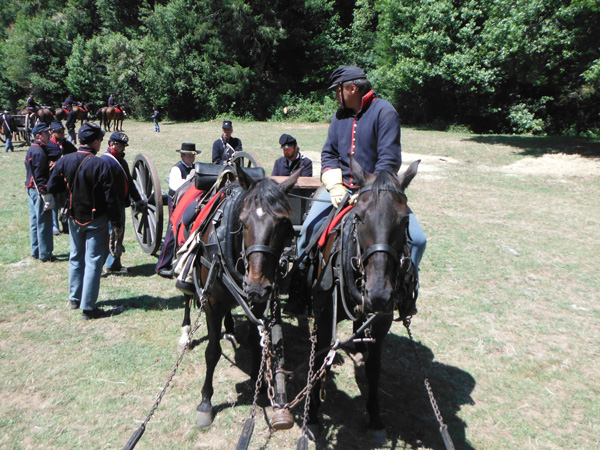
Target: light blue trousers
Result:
[[320, 210], [89, 247], [9, 144], [40, 226]]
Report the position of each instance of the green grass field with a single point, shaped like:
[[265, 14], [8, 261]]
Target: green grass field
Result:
[[508, 323]]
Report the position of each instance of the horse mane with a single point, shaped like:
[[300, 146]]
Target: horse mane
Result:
[[267, 195], [387, 181]]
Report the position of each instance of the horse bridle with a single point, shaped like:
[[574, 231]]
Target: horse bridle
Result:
[[246, 252], [398, 256]]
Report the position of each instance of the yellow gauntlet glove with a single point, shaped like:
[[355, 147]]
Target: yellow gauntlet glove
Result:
[[332, 179]]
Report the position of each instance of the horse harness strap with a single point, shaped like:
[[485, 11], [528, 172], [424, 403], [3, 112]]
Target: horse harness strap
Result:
[[261, 249], [380, 248]]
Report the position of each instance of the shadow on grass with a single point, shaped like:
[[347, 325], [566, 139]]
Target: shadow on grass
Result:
[[540, 145], [405, 405], [146, 302], [142, 270]]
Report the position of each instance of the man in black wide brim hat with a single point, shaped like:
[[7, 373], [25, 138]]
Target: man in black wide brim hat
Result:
[[179, 174]]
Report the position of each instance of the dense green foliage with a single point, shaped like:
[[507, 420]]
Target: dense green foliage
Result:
[[523, 66]]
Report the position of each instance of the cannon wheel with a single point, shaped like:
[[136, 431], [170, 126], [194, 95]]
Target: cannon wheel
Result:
[[148, 224], [246, 159], [2, 138]]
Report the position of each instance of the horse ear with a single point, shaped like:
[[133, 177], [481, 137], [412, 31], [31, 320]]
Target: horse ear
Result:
[[287, 184], [245, 180], [408, 176], [362, 177]]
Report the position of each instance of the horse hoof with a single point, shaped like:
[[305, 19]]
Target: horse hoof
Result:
[[204, 419], [182, 345], [378, 437]]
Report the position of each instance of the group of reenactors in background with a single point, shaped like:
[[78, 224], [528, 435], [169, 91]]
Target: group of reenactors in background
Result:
[[99, 189]]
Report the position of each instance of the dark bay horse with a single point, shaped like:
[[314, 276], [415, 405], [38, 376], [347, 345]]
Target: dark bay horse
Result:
[[81, 113], [243, 239], [110, 115], [369, 257], [45, 114]]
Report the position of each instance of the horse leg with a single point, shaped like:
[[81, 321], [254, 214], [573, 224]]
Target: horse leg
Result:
[[230, 330], [186, 325], [214, 320], [373, 372]]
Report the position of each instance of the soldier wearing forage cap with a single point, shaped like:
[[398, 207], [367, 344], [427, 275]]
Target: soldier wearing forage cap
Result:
[[182, 171], [126, 191], [41, 201], [57, 146], [224, 148], [292, 159], [93, 204], [368, 128]]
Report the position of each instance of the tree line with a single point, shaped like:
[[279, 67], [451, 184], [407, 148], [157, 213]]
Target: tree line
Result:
[[511, 66]]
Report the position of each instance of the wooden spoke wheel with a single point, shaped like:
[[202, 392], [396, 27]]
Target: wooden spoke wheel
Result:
[[246, 159], [148, 224]]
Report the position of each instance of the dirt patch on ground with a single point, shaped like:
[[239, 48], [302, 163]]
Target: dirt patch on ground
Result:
[[559, 164]]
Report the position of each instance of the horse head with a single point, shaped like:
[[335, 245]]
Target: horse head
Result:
[[267, 230], [380, 222]]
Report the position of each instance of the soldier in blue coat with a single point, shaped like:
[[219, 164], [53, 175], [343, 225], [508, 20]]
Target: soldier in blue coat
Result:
[[93, 204], [125, 189], [58, 146], [224, 148], [8, 128], [292, 159], [41, 201]]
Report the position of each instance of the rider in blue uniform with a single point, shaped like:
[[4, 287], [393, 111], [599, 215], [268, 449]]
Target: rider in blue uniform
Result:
[[368, 128], [94, 202]]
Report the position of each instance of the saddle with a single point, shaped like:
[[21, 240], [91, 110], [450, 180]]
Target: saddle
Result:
[[226, 238]]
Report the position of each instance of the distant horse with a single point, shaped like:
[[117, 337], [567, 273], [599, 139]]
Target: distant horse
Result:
[[367, 254], [242, 241], [82, 113], [45, 114], [110, 115]]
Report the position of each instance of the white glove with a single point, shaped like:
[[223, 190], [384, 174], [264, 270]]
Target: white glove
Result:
[[191, 174], [48, 201], [332, 179]]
